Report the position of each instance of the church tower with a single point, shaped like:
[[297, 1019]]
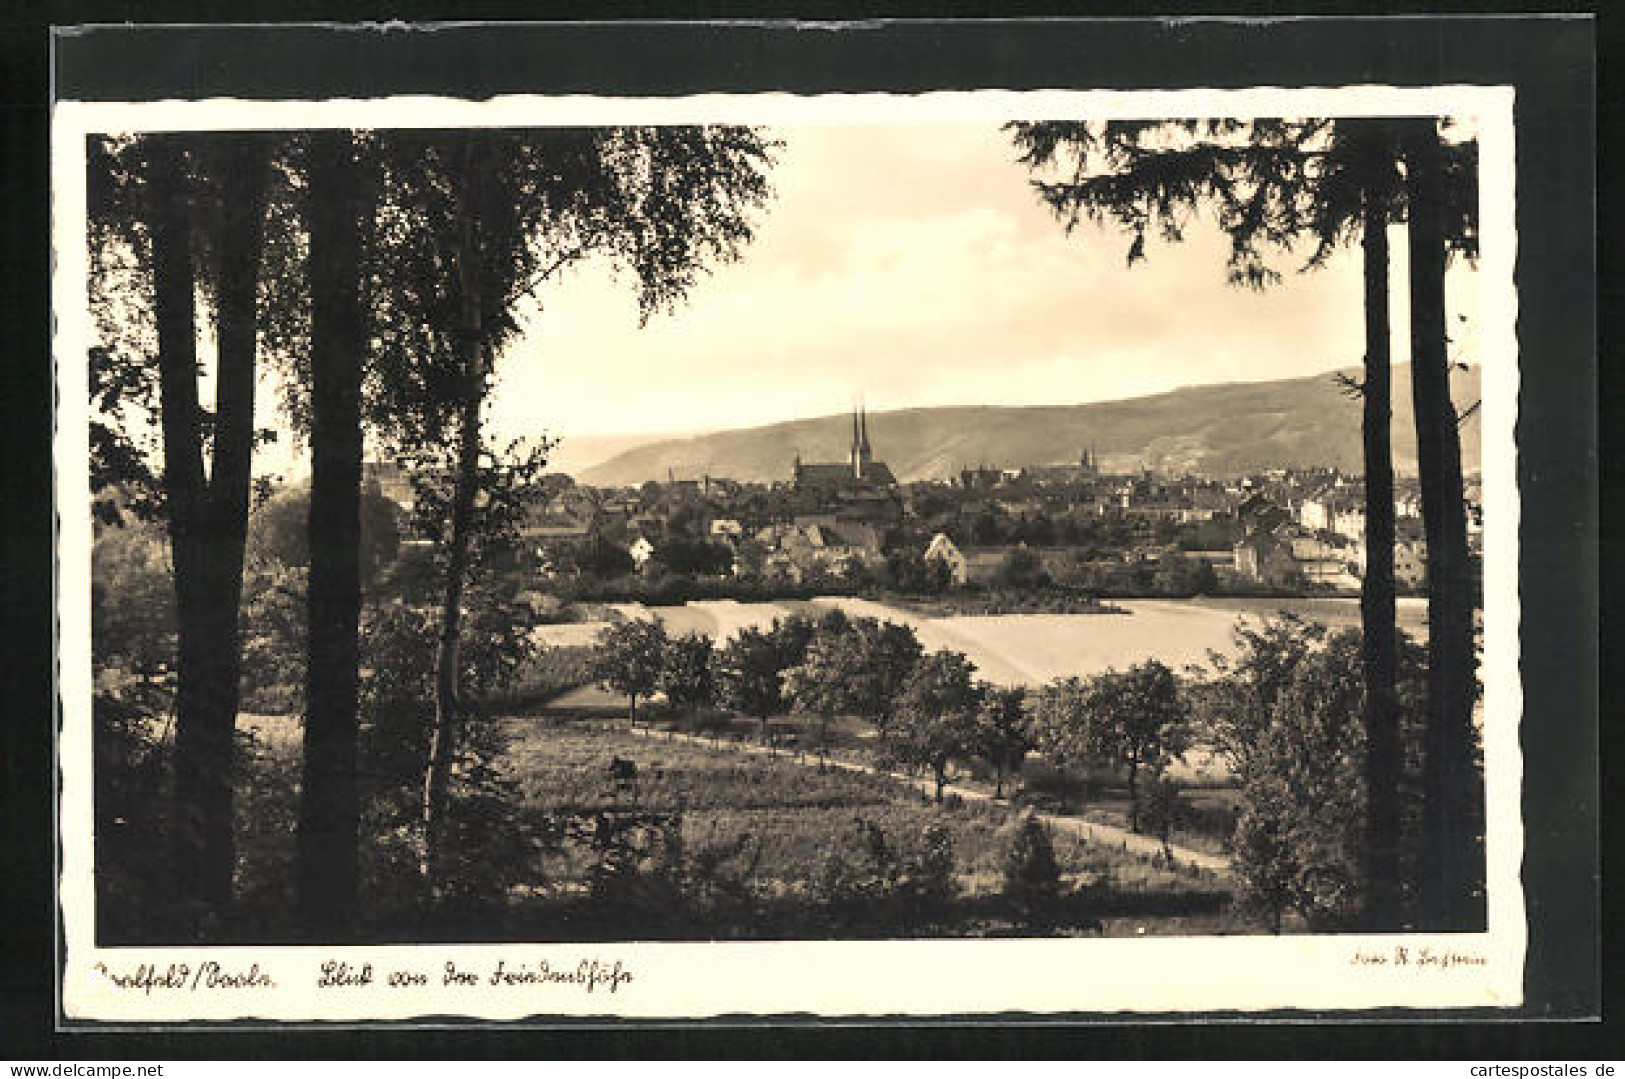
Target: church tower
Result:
[[864, 455], [852, 453]]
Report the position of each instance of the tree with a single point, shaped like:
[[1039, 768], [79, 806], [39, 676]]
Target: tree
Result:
[[511, 208], [1032, 876], [1002, 736], [750, 559], [1272, 182], [748, 671], [488, 555], [686, 673], [697, 557], [1235, 705], [1164, 810], [1180, 575], [1299, 832], [1373, 157], [823, 683], [340, 200], [278, 530], [1066, 730], [1142, 716], [853, 667], [910, 571], [158, 209], [598, 557], [793, 635], [628, 659], [1021, 568], [1452, 887], [937, 715]]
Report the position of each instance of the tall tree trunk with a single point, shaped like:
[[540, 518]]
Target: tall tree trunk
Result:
[[1452, 794], [226, 503], [329, 808], [448, 695], [1379, 644], [169, 212], [208, 520]]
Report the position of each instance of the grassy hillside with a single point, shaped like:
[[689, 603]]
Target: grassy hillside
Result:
[[1219, 430]]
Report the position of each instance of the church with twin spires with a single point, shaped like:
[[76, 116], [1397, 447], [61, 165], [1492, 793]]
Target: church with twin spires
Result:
[[861, 472]]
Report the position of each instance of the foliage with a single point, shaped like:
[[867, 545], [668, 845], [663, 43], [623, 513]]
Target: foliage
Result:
[[854, 667], [1180, 575], [129, 766], [749, 669], [549, 672], [278, 530], [598, 557], [1142, 715], [1021, 569], [1066, 730], [629, 658], [1303, 800], [132, 611], [1234, 706], [867, 881], [1032, 876], [274, 613], [908, 570], [505, 491], [938, 715], [1002, 736], [1165, 810], [1301, 826], [1268, 182], [490, 849], [686, 674], [696, 556]]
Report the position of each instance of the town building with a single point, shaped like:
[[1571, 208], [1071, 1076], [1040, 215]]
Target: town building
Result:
[[860, 473]]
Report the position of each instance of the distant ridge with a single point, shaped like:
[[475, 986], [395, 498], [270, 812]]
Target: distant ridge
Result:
[[1219, 430]]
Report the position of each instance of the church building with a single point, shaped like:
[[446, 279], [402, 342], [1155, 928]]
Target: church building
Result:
[[861, 472]]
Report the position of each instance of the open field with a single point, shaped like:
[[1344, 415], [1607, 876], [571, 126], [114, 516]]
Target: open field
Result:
[[770, 829], [786, 819], [790, 809]]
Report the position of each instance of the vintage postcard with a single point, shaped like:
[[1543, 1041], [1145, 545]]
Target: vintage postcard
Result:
[[545, 558]]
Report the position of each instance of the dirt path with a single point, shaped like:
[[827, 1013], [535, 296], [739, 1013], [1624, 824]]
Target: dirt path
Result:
[[1100, 835]]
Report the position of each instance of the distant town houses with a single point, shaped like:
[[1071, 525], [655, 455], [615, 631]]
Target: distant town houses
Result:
[[1262, 557], [1009, 524]]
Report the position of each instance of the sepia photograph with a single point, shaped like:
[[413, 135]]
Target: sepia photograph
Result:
[[518, 537]]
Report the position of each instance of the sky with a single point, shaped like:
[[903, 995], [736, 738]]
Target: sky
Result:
[[914, 265]]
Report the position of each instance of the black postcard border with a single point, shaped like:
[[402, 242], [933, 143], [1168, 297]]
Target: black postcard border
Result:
[[1548, 60]]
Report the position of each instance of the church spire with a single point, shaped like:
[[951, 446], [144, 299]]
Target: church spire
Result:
[[852, 454]]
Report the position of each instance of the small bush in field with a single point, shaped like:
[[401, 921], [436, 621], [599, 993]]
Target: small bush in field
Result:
[[883, 887], [1032, 876]]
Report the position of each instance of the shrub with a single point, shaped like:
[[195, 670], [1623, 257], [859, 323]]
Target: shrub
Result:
[[1032, 876], [130, 773], [886, 889]]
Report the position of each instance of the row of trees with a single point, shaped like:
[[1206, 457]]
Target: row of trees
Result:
[[380, 273], [930, 710], [1282, 185]]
